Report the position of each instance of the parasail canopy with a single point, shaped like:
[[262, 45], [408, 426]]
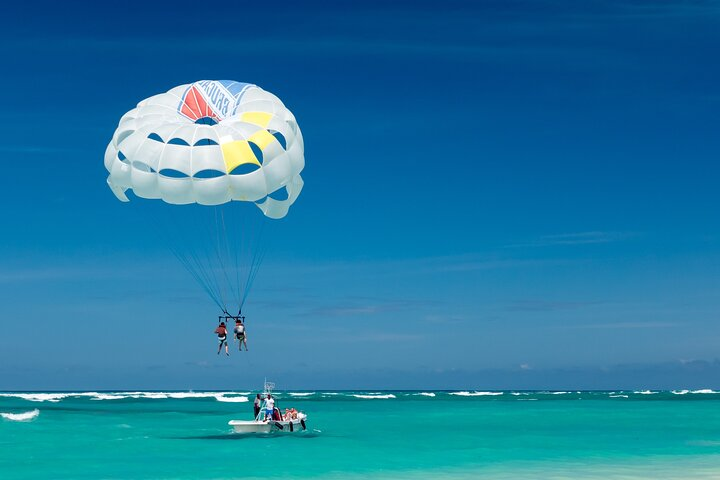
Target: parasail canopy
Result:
[[209, 142]]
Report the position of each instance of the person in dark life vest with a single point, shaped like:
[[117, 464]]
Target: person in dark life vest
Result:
[[240, 334], [257, 404], [222, 338]]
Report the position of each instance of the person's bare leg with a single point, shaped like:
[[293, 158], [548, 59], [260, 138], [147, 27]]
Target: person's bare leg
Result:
[[245, 343]]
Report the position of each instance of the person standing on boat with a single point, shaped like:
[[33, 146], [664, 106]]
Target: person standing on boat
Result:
[[257, 404], [222, 338], [269, 406]]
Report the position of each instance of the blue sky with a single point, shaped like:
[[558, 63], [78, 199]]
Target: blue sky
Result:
[[503, 194]]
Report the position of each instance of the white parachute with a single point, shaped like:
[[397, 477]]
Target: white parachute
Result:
[[210, 145], [209, 142]]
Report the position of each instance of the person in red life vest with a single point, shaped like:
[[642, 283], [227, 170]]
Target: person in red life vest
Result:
[[222, 338]]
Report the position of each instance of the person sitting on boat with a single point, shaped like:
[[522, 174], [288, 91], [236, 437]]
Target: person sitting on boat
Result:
[[240, 335], [269, 406], [257, 404], [222, 338], [290, 414]]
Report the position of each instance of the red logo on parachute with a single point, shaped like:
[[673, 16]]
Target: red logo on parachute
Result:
[[194, 106]]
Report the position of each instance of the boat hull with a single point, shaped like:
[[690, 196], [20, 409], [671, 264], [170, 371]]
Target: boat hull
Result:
[[254, 426]]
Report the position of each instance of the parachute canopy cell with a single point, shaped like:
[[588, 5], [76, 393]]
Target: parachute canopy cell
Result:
[[209, 142]]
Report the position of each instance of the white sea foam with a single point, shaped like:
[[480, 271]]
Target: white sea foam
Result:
[[389, 395], [181, 395], [680, 392], [37, 397], [645, 392], [558, 393], [56, 397], [475, 394], [425, 394], [21, 417], [618, 396], [98, 396], [222, 398], [149, 395], [49, 397], [108, 396], [704, 390], [301, 394]]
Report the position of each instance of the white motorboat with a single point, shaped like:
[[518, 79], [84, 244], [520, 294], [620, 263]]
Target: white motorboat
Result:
[[270, 426], [293, 421]]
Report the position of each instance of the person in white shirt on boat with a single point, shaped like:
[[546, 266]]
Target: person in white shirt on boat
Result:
[[269, 407]]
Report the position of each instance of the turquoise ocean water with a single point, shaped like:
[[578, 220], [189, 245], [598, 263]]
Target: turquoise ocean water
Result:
[[433, 434]]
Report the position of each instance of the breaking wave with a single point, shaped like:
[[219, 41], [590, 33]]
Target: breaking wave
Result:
[[475, 394], [375, 395], [107, 396], [38, 397], [241, 397], [21, 417], [221, 398], [97, 396]]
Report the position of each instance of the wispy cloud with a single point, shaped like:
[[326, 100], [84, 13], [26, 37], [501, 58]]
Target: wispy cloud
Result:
[[425, 265], [41, 274], [445, 318], [386, 337], [625, 325], [363, 306], [547, 306], [469, 265], [578, 238]]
